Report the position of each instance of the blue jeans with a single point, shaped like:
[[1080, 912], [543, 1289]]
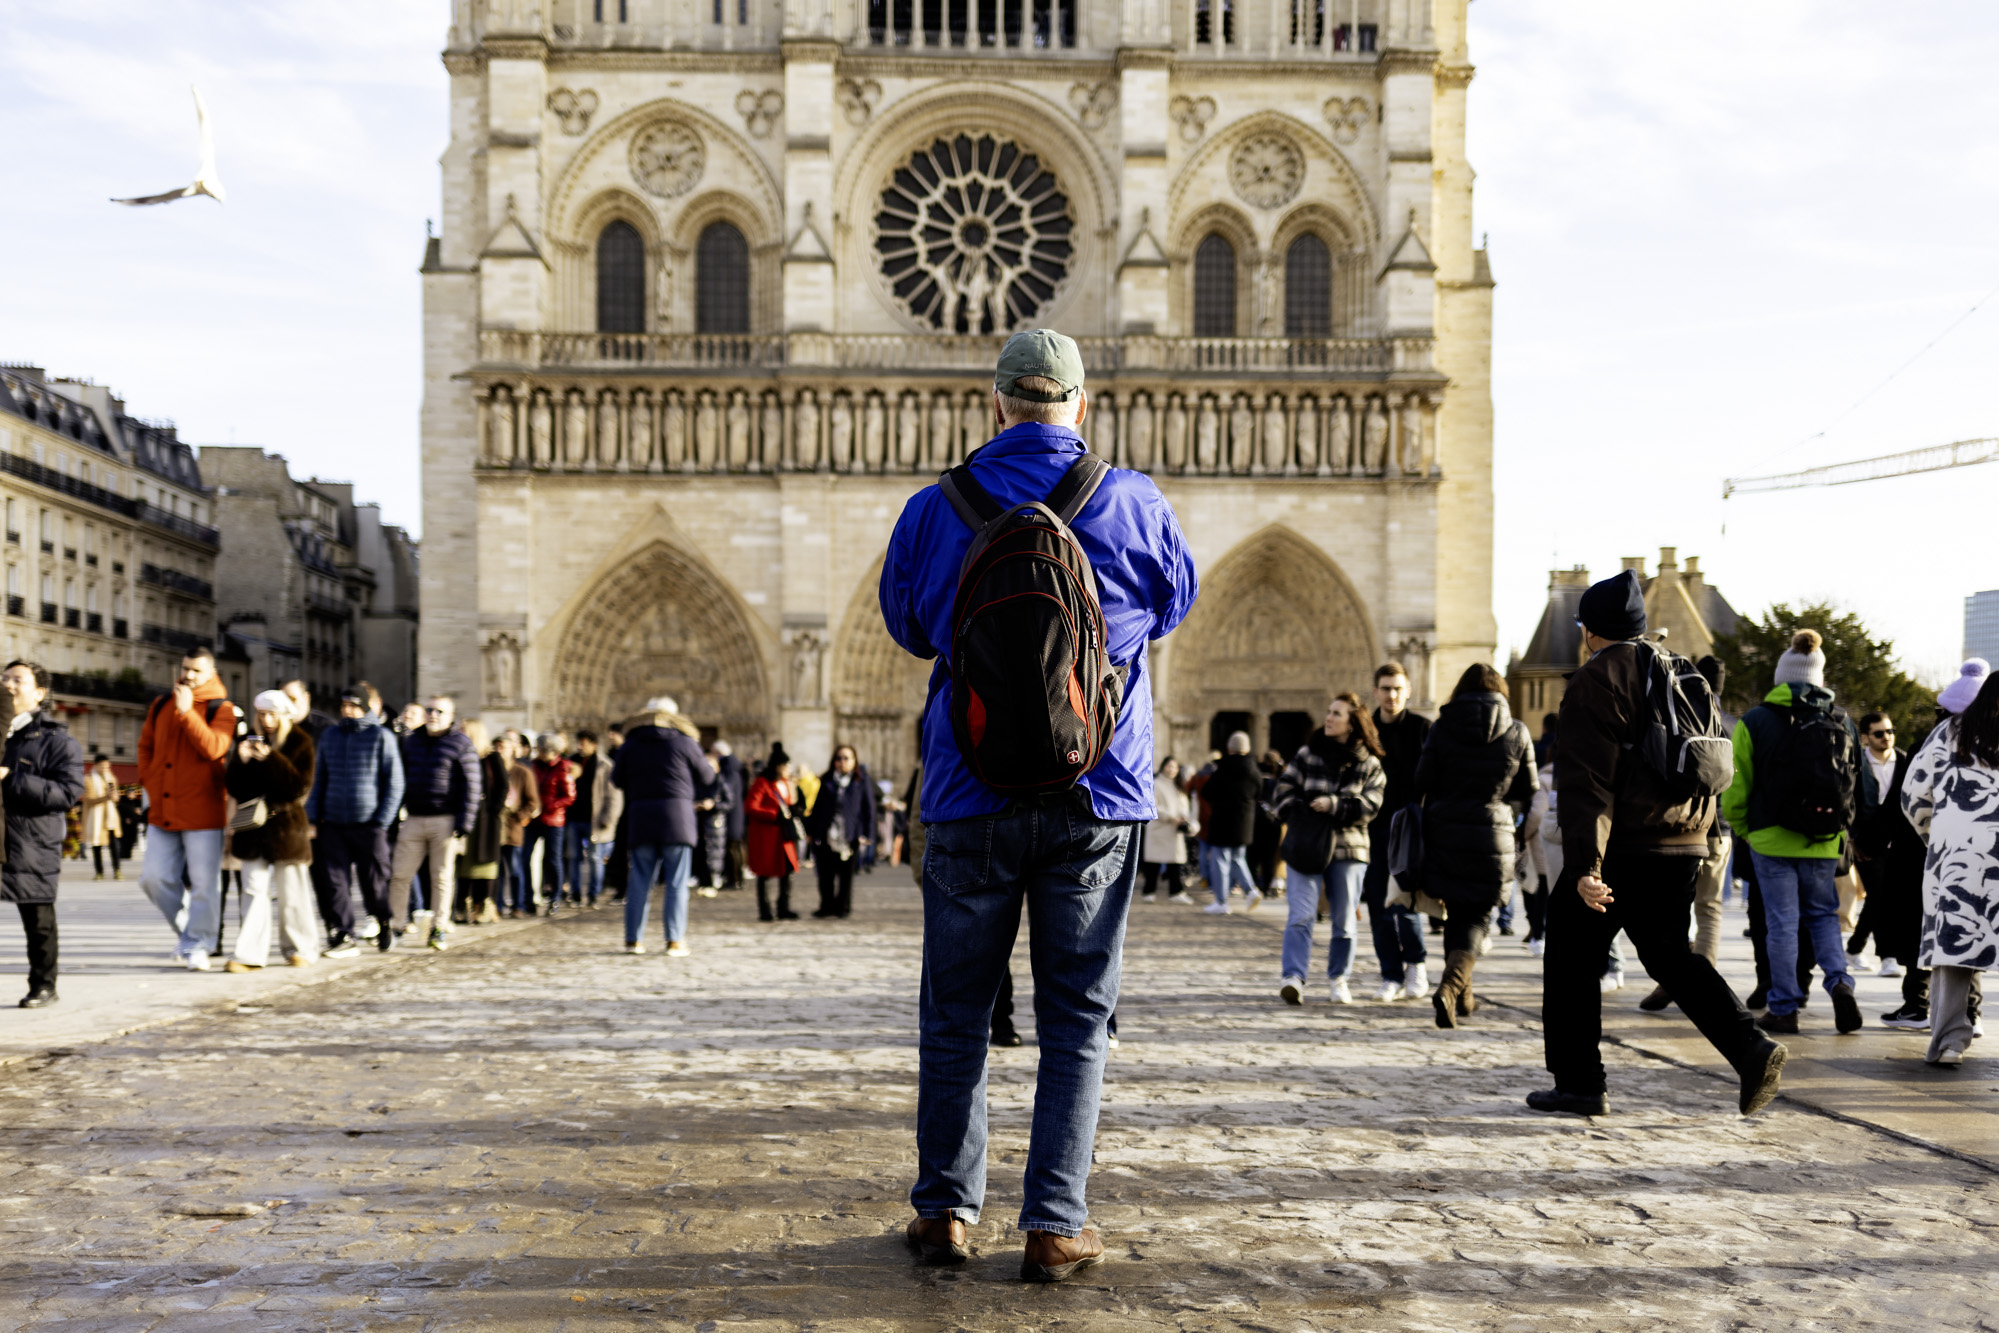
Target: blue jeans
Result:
[[1075, 873], [1799, 893], [588, 877], [648, 858], [558, 862], [1227, 867], [196, 912], [1341, 883]]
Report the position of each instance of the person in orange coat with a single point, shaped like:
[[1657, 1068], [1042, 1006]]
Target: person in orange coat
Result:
[[183, 751], [770, 806]]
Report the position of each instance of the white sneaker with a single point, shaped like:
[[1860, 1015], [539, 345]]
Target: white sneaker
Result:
[[1856, 962], [178, 958], [1611, 981], [1216, 909], [1416, 979], [1178, 898], [1485, 945], [1537, 947], [635, 948], [1255, 897], [1890, 968], [1978, 1028], [677, 949], [1292, 991], [705, 891], [1950, 1059], [1390, 992], [197, 960], [1342, 993], [368, 929], [437, 940]]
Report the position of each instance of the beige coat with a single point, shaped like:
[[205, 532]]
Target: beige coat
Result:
[[100, 810]]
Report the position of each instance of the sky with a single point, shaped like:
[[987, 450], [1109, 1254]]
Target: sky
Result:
[[1717, 228]]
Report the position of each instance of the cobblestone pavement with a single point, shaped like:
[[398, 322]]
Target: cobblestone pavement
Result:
[[537, 1132]]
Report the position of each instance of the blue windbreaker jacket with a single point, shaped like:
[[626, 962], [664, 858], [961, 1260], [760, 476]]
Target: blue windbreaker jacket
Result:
[[1145, 580]]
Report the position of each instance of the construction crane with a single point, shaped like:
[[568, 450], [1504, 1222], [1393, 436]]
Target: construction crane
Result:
[[1964, 453]]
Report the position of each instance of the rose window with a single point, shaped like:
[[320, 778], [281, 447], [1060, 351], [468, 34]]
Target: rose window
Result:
[[973, 235]]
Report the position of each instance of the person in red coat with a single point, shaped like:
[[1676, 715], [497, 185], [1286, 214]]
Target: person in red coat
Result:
[[555, 783], [770, 806]]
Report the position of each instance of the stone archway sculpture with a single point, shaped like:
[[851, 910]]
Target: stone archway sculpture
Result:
[[662, 623], [878, 689], [1278, 628]]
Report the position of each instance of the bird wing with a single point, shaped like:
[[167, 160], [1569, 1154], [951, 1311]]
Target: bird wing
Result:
[[165, 198], [207, 169]]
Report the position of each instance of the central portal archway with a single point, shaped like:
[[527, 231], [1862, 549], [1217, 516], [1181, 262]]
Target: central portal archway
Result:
[[662, 623], [878, 689], [1277, 632]]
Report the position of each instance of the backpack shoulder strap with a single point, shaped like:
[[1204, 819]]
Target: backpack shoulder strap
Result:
[[975, 505], [1078, 484]]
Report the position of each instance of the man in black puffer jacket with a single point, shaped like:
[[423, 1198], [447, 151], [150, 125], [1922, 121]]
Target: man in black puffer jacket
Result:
[[41, 778], [1231, 793]]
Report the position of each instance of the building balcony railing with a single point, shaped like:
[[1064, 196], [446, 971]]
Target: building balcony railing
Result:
[[166, 637], [185, 527], [329, 606], [734, 353], [126, 687], [175, 581], [30, 470]]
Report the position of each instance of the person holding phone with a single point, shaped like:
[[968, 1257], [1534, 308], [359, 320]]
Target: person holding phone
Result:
[[269, 776]]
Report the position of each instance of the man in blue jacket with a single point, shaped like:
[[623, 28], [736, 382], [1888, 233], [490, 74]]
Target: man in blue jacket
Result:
[[1072, 860], [662, 772], [357, 788]]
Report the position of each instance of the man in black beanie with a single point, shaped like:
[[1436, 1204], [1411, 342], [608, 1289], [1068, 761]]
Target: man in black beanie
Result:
[[1631, 856]]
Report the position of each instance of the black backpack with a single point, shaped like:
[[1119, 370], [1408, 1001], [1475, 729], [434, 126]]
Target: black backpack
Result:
[[1811, 774], [1034, 697], [1684, 739]]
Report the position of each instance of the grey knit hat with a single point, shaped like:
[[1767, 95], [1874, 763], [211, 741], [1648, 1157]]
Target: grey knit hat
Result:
[[1803, 663]]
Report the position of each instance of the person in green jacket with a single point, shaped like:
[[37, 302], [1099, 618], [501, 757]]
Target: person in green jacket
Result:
[[1796, 769]]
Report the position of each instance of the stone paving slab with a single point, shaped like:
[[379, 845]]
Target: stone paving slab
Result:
[[542, 1133]]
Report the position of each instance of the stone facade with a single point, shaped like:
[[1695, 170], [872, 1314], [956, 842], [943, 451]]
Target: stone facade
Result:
[[109, 553], [1681, 607], [717, 289]]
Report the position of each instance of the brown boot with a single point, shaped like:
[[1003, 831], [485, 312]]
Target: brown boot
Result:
[[938, 1240], [1467, 1002], [1455, 983], [1051, 1258]]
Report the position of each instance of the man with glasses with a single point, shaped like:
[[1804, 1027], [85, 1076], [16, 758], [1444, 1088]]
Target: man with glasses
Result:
[[441, 792], [1397, 932]]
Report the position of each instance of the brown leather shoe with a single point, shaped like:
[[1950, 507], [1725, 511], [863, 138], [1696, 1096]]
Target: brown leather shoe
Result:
[[1051, 1258], [938, 1240]]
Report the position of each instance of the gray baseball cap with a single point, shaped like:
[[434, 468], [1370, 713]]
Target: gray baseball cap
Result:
[[1042, 352]]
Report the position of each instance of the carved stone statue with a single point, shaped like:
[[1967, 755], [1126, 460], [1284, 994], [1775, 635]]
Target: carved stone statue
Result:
[[575, 428], [707, 432], [908, 434], [1305, 450], [607, 429], [807, 685], [639, 451], [1207, 441], [1101, 428], [874, 434], [1340, 453], [805, 432], [840, 434], [739, 432], [500, 428], [662, 312], [772, 427], [972, 419], [1242, 434], [673, 434], [1173, 434], [1374, 438], [1138, 440], [503, 671], [541, 431], [1276, 448], [943, 432]]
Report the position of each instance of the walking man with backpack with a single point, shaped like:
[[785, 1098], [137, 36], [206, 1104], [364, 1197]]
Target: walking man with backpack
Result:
[[1794, 797], [1036, 574], [1633, 840]]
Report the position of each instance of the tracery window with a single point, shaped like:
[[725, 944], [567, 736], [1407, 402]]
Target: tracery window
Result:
[[973, 235], [722, 280], [1308, 289], [621, 279], [1214, 288]]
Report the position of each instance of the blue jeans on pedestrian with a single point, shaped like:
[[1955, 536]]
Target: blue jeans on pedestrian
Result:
[[588, 876], [556, 861], [1228, 867], [1397, 931], [1341, 883], [196, 911], [673, 860], [1075, 873], [1800, 893], [519, 887]]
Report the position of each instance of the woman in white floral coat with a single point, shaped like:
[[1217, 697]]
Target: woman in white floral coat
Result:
[[1951, 795]]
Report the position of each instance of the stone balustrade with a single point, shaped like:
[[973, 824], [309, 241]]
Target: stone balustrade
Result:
[[501, 350], [888, 424]]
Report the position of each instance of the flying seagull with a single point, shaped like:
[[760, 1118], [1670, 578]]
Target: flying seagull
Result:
[[204, 178]]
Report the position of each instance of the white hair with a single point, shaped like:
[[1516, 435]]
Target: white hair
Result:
[[1238, 742], [724, 748], [662, 703]]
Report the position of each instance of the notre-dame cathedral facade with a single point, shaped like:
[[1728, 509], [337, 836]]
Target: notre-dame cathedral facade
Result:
[[720, 283]]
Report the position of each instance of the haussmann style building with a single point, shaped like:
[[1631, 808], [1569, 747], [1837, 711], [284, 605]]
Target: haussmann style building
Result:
[[719, 285]]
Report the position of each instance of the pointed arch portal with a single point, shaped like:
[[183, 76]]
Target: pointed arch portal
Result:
[[662, 623], [1277, 632], [878, 689]]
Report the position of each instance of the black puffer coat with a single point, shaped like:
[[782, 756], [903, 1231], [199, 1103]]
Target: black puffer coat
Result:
[[1231, 796], [44, 779], [1476, 760], [281, 782]]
